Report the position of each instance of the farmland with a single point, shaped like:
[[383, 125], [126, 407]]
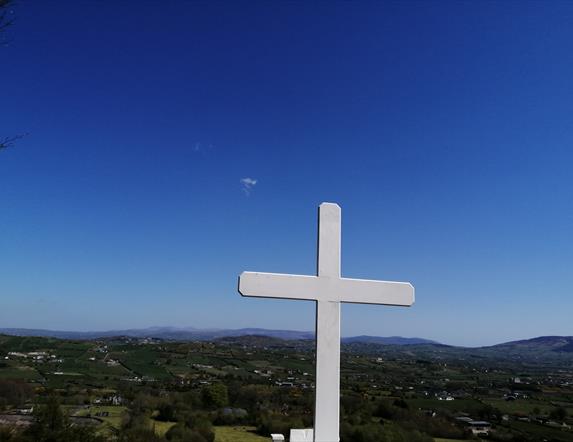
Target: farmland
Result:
[[241, 389]]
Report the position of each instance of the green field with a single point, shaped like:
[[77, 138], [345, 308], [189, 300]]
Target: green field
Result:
[[521, 406], [543, 431], [467, 405], [113, 420], [162, 427], [238, 434], [19, 372]]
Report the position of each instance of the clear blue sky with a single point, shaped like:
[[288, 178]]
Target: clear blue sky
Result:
[[443, 129]]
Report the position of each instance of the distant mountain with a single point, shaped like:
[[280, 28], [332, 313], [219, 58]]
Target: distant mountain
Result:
[[542, 346], [167, 333], [266, 341], [562, 344], [392, 340], [193, 334]]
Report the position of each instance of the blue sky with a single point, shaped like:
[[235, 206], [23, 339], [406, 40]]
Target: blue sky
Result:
[[443, 129]]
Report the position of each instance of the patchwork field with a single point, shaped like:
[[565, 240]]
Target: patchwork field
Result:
[[234, 386]]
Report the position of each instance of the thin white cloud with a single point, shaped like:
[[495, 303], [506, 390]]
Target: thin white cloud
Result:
[[248, 184], [202, 148]]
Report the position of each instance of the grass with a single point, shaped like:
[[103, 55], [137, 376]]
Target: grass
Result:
[[520, 406], [144, 362], [238, 434], [543, 431], [114, 418], [19, 372], [162, 427], [468, 405]]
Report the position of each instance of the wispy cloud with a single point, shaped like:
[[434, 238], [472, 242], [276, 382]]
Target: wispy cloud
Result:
[[201, 148], [248, 184]]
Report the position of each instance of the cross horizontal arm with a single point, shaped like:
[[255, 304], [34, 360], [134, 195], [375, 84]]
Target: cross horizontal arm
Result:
[[276, 285], [362, 291]]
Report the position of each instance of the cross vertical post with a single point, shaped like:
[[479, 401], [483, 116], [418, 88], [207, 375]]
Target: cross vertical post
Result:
[[327, 383]]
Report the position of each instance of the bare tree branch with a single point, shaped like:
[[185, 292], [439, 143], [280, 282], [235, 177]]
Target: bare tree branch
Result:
[[5, 22], [9, 141], [5, 18]]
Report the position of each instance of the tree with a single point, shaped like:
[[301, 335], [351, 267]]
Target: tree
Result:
[[138, 434], [49, 422], [14, 392], [8, 434], [182, 433], [559, 414], [215, 396], [52, 425], [166, 412]]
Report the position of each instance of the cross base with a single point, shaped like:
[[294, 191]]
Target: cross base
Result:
[[306, 435], [302, 435]]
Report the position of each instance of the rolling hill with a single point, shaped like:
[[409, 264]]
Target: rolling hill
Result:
[[193, 334], [540, 344]]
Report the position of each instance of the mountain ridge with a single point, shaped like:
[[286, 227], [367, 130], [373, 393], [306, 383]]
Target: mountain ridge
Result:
[[195, 334], [549, 343]]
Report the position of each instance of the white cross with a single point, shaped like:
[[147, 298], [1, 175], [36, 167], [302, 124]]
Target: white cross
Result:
[[328, 289]]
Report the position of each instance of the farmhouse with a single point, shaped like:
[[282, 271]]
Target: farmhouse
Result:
[[479, 428]]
